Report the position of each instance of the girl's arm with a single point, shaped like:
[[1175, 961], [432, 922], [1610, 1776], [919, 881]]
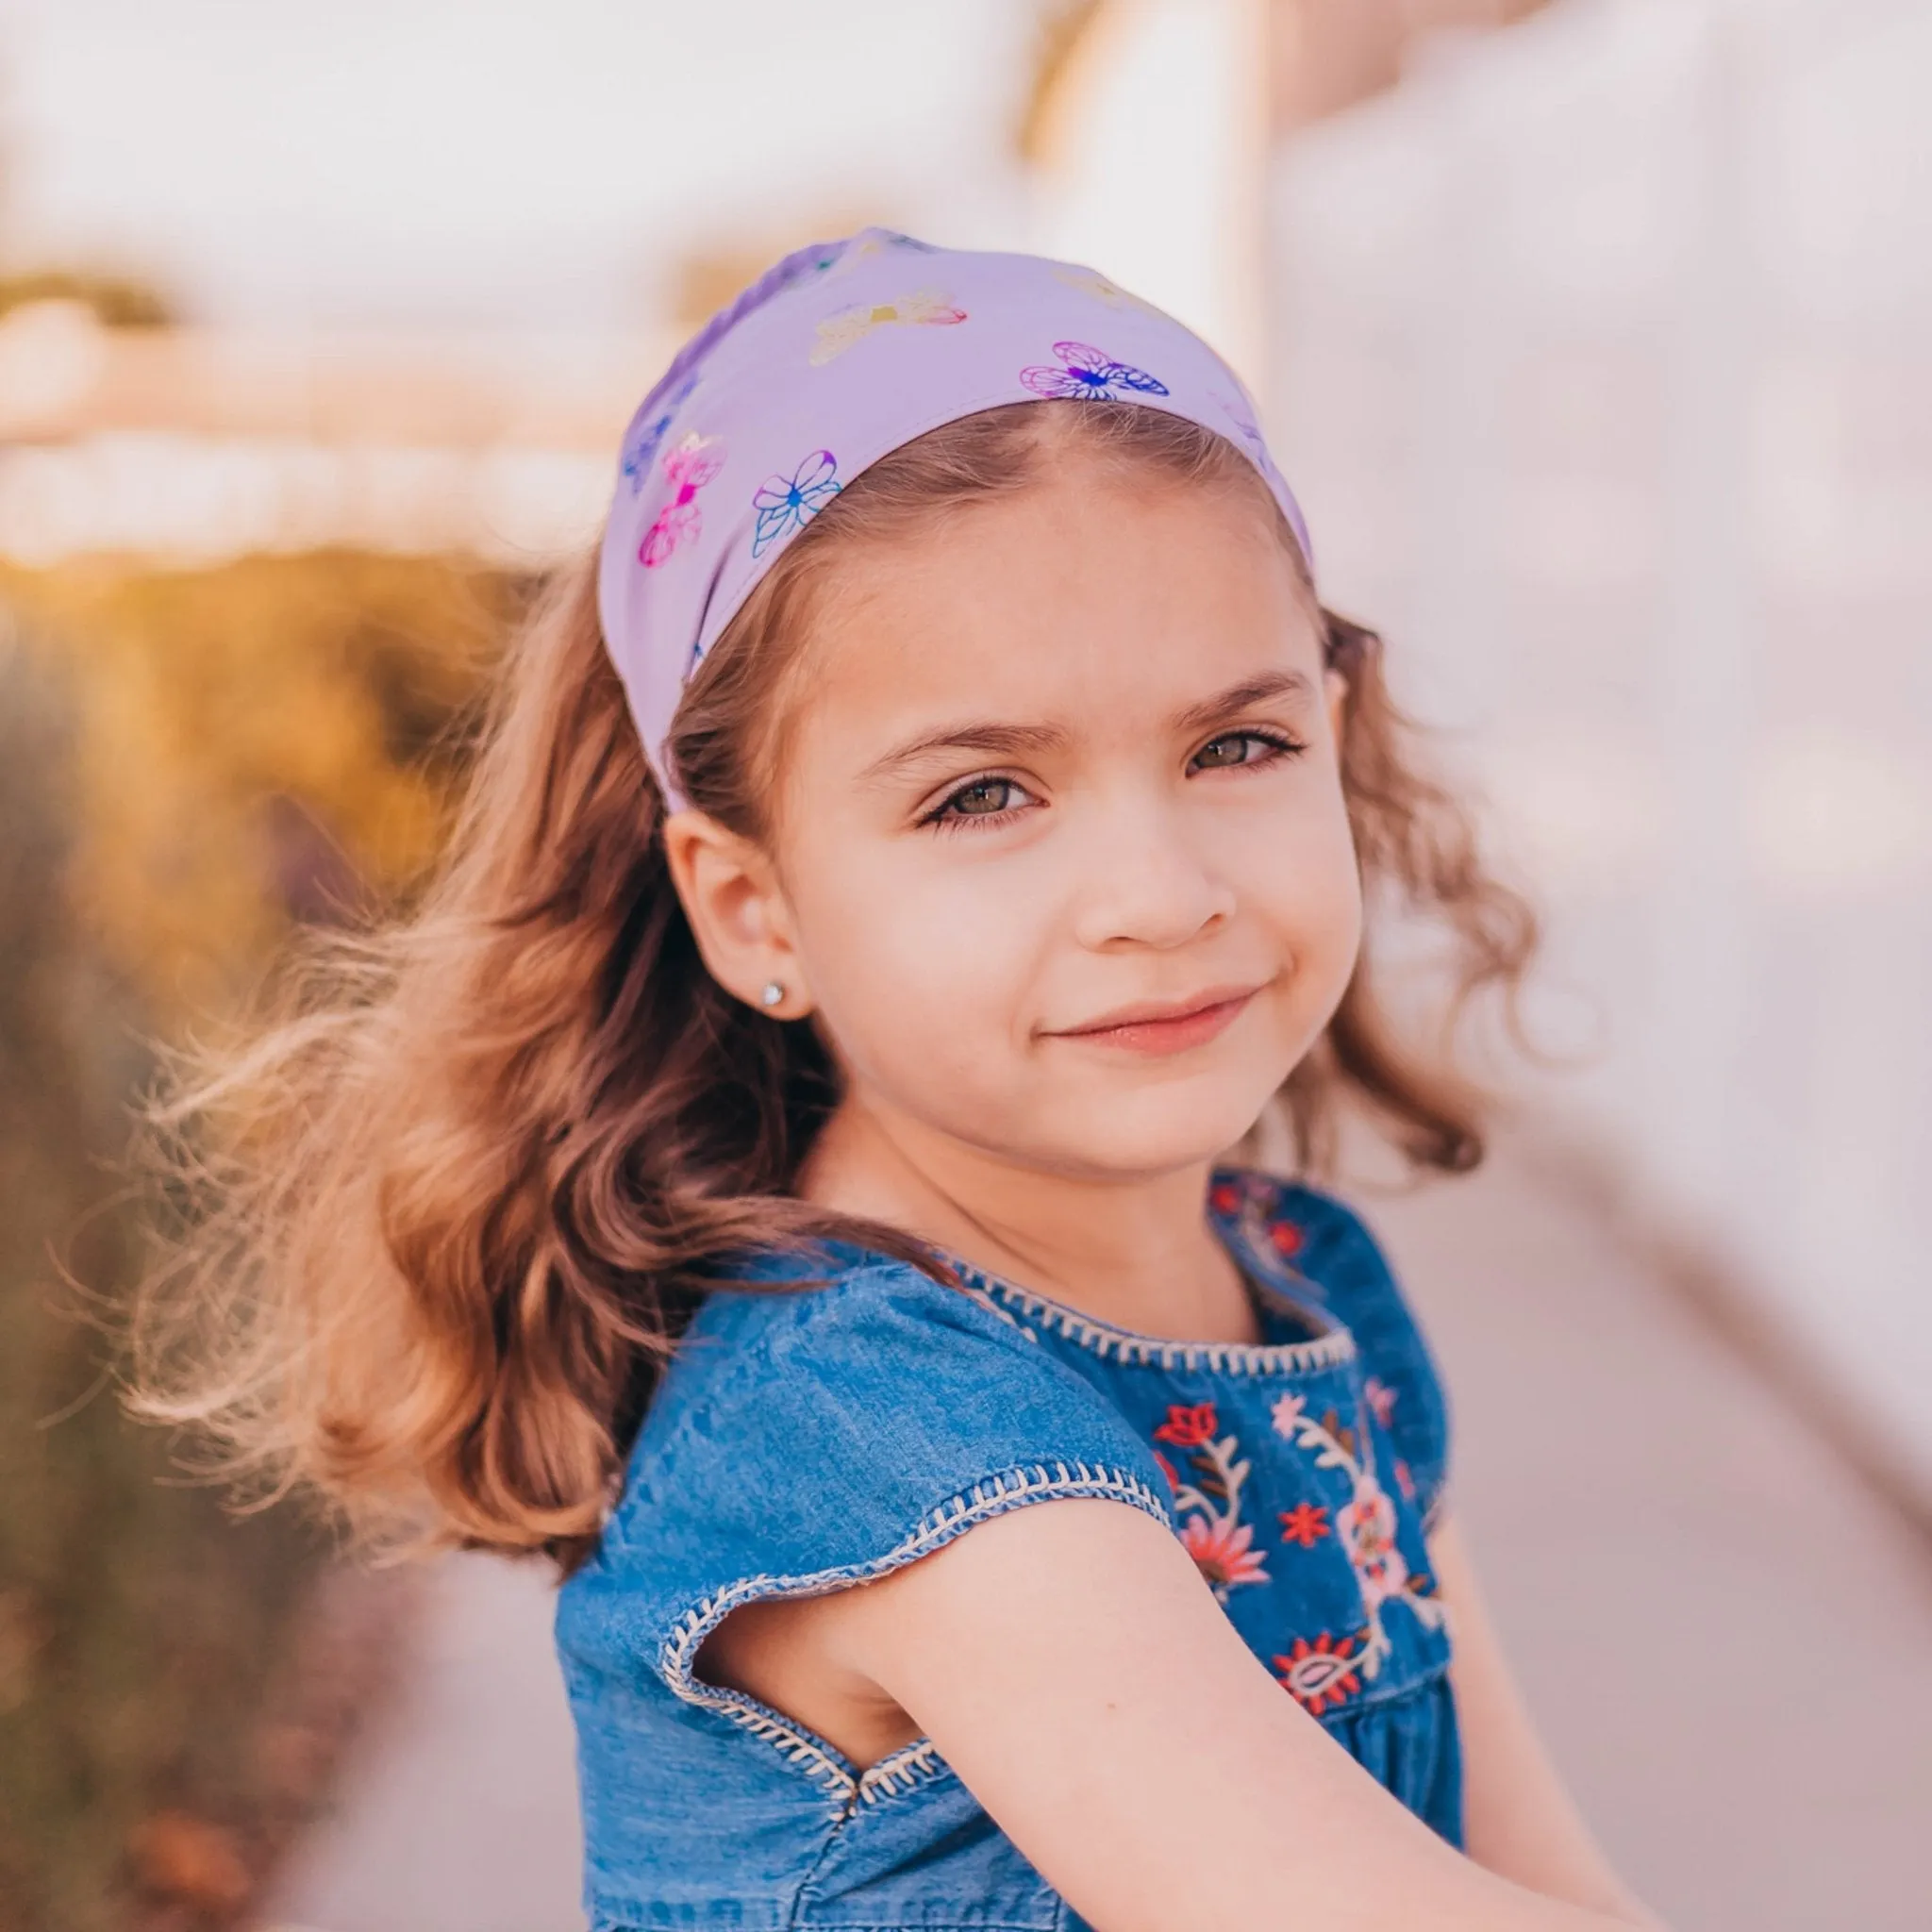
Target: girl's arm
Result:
[[1519, 1819], [1072, 1669]]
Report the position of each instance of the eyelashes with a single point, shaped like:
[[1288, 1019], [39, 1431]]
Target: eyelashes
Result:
[[1276, 745]]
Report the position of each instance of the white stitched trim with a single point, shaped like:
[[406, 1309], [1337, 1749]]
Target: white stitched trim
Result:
[[1122, 1344], [989, 1497], [900, 1772]]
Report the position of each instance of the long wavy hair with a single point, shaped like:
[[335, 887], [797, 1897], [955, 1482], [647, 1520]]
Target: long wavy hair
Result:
[[443, 1214]]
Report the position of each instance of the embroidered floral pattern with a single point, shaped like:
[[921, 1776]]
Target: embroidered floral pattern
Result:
[[1365, 1527], [1323, 1673], [688, 468], [1307, 1523], [1381, 1399], [1089, 375], [1188, 1428], [837, 333], [788, 503], [1256, 1207], [1220, 1550], [1208, 1504]]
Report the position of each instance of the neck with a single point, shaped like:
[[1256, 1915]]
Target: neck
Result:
[[1135, 1251]]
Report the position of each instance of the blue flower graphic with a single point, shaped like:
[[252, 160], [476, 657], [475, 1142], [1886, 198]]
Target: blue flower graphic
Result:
[[785, 505], [1089, 375]]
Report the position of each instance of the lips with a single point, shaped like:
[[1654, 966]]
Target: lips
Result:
[[1166, 1025], [1145, 1012]]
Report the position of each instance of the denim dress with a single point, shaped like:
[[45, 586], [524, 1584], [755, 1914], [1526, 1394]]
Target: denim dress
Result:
[[807, 1437]]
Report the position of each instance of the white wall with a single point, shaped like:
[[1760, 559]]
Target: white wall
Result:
[[1602, 364]]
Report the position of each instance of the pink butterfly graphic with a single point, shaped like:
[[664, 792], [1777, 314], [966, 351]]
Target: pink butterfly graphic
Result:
[[689, 468]]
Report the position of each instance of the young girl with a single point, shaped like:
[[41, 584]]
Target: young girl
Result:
[[784, 1171]]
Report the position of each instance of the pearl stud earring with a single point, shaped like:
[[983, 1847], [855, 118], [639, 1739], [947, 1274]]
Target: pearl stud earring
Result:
[[772, 994]]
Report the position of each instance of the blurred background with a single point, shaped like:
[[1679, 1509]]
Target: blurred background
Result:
[[1596, 337]]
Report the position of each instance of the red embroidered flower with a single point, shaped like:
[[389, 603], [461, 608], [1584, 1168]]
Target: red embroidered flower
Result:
[[1307, 1523], [1321, 1673], [1188, 1428], [1221, 1551], [1224, 1198], [1381, 1399], [1286, 1238]]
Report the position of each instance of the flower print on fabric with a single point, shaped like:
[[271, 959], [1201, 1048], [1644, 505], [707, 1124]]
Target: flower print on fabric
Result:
[[1089, 375], [1365, 1527], [837, 333], [1381, 1399], [1209, 1502], [787, 504], [640, 451], [1307, 1523], [1322, 1673], [1254, 1206], [688, 469]]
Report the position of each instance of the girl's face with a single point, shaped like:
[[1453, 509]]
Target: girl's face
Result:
[[1061, 859]]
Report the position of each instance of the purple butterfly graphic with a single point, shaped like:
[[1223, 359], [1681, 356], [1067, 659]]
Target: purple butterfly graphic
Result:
[[643, 448], [1089, 375], [786, 504]]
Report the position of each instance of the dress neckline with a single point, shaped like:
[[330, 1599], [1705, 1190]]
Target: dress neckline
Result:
[[1330, 1344]]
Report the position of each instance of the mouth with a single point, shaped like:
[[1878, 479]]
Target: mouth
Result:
[[1155, 1026]]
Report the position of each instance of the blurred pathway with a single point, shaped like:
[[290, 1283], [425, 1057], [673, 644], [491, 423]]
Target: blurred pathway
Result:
[[1728, 1641]]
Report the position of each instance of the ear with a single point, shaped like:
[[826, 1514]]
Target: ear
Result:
[[738, 912]]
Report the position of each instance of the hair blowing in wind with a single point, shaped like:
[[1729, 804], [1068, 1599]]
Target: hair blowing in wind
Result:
[[439, 1218]]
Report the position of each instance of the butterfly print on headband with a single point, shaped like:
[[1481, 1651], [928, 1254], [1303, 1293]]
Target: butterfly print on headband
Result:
[[644, 445], [688, 468], [1088, 283], [1089, 375], [788, 503], [837, 333]]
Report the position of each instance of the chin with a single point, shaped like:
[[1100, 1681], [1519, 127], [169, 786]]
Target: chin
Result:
[[1152, 1134]]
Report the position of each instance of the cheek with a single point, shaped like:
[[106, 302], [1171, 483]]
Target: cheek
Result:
[[915, 960], [1302, 879]]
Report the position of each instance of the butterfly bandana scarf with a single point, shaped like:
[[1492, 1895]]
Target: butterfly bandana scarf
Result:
[[837, 355]]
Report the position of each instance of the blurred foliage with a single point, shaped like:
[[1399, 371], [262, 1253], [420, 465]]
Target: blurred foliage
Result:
[[269, 738], [188, 761], [117, 301]]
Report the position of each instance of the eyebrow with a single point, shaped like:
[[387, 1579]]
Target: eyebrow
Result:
[[1017, 739]]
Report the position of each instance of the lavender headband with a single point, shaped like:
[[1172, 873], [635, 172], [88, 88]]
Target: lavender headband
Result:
[[839, 354]]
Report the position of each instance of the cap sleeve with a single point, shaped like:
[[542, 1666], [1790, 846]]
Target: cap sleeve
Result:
[[810, 1439], [1332, 1248]]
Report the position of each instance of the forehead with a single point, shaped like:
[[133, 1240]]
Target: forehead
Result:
[[1087, 600]]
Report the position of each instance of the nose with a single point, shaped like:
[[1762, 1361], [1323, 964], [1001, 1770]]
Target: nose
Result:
[[1143, 877]]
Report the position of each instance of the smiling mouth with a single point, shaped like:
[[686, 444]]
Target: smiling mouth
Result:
[[1152, 1028]]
